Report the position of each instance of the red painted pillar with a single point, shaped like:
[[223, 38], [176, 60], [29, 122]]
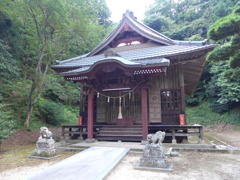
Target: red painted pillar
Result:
[[144, 114], [90, 114]]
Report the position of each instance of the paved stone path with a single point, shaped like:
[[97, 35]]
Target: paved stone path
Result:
[[90, 164]]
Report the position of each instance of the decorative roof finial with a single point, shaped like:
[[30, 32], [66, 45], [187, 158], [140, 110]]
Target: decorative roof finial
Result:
[[130, 14]]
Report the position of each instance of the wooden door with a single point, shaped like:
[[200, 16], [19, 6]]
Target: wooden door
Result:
[[171, 106]]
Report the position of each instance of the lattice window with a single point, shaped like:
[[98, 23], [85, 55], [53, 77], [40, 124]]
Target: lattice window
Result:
[[171, 100]]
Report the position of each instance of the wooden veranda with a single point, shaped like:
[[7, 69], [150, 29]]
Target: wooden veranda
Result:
[[174, 133]]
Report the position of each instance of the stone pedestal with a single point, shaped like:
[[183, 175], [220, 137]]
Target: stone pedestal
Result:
[[45, 148], [90, 140], [153, 157], [153, 154]]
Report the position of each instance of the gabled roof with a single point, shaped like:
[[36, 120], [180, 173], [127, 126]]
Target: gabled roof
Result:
[[129, 19]]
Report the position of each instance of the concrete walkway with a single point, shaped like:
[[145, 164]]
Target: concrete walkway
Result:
[[90, 164]]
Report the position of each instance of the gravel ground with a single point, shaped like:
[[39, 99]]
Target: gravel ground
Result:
[[189, 165], [23, 172]]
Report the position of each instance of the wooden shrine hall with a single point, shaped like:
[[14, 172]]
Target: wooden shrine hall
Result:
[[134, 83]]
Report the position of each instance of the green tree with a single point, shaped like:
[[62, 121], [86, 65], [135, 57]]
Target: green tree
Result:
[[159, 23], [45, 30], [7, 124], [224, 86], [8, 65], [189, 17], [223, 91], [223, 29], [47, 21]]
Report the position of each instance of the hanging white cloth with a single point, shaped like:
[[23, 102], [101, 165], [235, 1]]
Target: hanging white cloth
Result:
[[120, 107]]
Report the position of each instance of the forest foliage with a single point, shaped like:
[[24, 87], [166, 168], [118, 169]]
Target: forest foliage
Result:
[[36, 33], [33, 35]]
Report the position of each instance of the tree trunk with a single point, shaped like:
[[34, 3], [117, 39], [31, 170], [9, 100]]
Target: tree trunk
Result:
[[37, 86], [29, 114]]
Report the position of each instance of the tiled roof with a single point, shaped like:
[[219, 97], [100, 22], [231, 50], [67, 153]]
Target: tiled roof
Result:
[[160, 61], [135, 55], [124, 62]]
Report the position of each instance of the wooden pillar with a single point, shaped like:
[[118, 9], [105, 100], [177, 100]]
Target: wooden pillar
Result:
[[183, 104], [144, 114], [90, 117]]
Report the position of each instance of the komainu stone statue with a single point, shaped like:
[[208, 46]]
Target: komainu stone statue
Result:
[[45, 133], [45, 144], [156, 138], [153, 155]]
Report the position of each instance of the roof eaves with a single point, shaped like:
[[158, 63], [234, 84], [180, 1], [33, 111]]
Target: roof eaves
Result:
[[210, 47], [192, 43], [71, 59], [55, 67], [137, 55], [122, 61], [88, 68]]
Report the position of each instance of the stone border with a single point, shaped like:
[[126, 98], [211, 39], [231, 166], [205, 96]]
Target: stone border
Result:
[[44, 158], [168, 169]]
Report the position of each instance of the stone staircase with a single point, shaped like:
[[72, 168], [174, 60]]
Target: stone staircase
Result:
[[120, 133]]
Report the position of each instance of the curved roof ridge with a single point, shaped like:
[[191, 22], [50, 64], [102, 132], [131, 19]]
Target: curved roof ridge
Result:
[[118, 60], [108, 39], [128, 18], [152, 35], [150, 29], [121, 61]]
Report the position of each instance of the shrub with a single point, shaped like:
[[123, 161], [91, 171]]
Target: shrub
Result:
[[219, 108], [71, 115], [202, 114], [192, 101], [51, 112]]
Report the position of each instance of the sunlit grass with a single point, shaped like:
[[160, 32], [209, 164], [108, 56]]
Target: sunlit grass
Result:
[[17, 156]]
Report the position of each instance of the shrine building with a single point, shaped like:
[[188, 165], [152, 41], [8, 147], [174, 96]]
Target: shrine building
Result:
[[134, 82]]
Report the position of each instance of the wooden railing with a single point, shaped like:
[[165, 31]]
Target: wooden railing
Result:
[[171, 130], [79, 130], [179, 130]]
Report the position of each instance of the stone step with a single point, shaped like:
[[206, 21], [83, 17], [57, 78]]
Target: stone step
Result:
[[119, 132], [121, 138], [126, 127], [132, 129], [123, 133]]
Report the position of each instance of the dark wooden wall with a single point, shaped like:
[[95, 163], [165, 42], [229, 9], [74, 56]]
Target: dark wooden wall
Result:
[[166, 101], [166, 96]]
